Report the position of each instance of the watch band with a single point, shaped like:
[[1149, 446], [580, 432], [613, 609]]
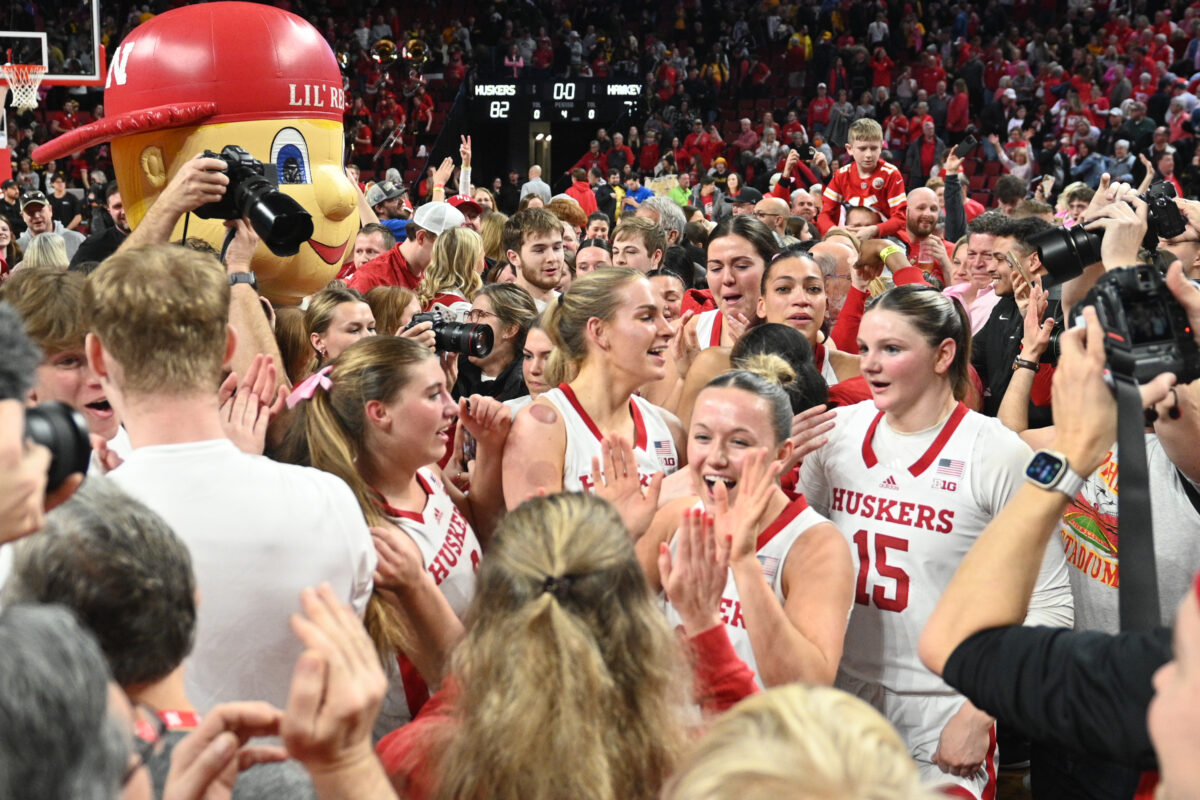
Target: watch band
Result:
[[244, 277], [1021, 363], [1067, 481]]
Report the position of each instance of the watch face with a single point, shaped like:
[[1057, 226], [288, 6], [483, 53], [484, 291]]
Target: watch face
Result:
[[1044, 468]]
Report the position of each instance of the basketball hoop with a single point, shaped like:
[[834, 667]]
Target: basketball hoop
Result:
[[24, 80]]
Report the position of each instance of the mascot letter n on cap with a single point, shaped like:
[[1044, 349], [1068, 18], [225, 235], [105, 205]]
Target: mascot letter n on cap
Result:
[[205, 76]]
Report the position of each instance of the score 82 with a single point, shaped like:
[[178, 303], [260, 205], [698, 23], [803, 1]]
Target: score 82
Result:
[[498, 109]]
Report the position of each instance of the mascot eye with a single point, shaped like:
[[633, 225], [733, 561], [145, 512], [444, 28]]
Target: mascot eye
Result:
[[289, 154]]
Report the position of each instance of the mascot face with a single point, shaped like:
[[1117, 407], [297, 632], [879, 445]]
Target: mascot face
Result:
[[205, 76], [307, 153]]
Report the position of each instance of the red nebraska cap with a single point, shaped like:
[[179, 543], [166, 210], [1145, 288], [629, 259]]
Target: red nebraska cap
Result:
[[213, 62]]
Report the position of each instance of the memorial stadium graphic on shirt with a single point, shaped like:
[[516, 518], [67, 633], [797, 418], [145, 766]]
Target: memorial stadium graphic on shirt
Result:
[[1089, 526]]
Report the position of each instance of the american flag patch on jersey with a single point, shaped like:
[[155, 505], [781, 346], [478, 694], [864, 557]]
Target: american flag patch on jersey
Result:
[[664, 449], [770, 565], [951, 467]]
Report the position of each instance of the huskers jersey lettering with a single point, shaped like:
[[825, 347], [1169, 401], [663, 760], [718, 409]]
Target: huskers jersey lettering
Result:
[[909, 524]]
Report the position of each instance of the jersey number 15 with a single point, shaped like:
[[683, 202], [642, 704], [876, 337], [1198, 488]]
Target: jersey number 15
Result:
[[878, 593]]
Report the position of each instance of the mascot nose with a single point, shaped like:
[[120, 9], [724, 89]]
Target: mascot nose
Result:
[[335, 193]]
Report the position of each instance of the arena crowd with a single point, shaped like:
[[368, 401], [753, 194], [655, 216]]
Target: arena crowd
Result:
[[768, 449]]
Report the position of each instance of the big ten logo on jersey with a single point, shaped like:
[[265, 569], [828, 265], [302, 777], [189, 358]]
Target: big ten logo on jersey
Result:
[[948, 473], [588, 484], [665, 452], [452, 549]]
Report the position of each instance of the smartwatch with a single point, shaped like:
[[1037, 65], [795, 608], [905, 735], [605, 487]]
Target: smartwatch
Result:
[[1048, 469], [244, 277]]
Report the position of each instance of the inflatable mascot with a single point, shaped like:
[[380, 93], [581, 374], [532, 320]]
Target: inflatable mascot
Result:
[[205, 77]]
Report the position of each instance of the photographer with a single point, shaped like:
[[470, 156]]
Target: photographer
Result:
[[1086, 692]]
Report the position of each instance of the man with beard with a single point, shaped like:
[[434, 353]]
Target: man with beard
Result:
[[100, 246], [533, 241], [39, 217], [926, 249]]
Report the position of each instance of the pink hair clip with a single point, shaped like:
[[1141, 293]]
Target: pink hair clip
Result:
[[308, 387]]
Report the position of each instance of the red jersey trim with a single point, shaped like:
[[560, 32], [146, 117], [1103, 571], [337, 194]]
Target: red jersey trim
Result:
[[639, 425], [785, 518], [714, 339], [819, 356], [392, 511], [416, 692], [922, 463]]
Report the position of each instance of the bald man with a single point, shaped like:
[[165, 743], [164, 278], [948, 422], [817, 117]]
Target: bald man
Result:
[[926, 249], [773, 212]]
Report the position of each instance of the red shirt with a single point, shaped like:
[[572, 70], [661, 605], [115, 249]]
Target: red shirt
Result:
[[389, 269], [958, 114], [582, 192], [881, 72], [818, 110], [882, 190]]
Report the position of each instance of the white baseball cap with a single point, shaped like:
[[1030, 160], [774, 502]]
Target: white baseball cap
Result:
[[438, 217]]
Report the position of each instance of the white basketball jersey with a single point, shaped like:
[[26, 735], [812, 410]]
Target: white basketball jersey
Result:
[[909, 525], [451, 553], [774, 544], [653, 445], [708, 328], [821, 359]]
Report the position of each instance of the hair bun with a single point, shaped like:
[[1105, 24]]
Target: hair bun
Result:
[[771, 367]]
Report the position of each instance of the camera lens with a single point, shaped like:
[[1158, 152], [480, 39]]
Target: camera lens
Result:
[[459, 337], [282, 223], [1065, 252], [63, 431]]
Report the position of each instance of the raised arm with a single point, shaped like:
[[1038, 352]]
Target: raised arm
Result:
[[198, 181]]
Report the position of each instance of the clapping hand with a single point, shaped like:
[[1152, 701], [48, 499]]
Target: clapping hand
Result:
[[247, 408], [694, 578], [741, 520], [618, 481]]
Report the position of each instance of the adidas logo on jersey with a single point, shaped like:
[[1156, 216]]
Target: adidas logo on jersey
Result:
[[889, 483]]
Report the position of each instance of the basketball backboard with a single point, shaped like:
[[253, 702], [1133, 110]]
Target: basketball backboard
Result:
[[68, 45]]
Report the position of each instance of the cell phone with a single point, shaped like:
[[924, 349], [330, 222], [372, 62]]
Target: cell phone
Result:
[[1016, 264], [965, 146], [807, 153], [468, 448]]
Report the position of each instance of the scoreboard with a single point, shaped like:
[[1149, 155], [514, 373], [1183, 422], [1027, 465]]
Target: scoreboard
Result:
[[554, 100]]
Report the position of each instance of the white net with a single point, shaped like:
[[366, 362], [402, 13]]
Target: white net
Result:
[[23, 81]]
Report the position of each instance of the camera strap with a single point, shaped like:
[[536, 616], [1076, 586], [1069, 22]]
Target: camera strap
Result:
[[1138, 595]]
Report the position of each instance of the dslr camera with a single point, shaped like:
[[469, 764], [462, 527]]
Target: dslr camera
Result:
[[1146, 331], [253, 193], [1066, 252], [457, 337], [64, 432]]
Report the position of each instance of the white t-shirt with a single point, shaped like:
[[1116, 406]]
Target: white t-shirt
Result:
[[259, 532], [1090, 541], [653, 445], [708, 328], [911, 506]]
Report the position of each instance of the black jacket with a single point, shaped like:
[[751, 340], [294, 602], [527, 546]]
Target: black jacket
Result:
[[1083, 691], [508, 385], [992, 352]]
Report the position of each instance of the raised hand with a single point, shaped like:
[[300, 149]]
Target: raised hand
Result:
[[694, 578], [741, 520], [206, 762], [684, 346], [487, 419], [337, 688], [808, 434], [615, 478]]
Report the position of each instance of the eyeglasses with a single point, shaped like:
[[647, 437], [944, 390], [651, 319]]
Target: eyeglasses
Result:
[[149, 737], [479, 315]]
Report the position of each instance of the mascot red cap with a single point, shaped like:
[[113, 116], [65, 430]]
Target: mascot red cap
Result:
[[215, 62]]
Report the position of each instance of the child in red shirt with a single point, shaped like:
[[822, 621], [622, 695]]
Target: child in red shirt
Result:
[[869, 181]]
